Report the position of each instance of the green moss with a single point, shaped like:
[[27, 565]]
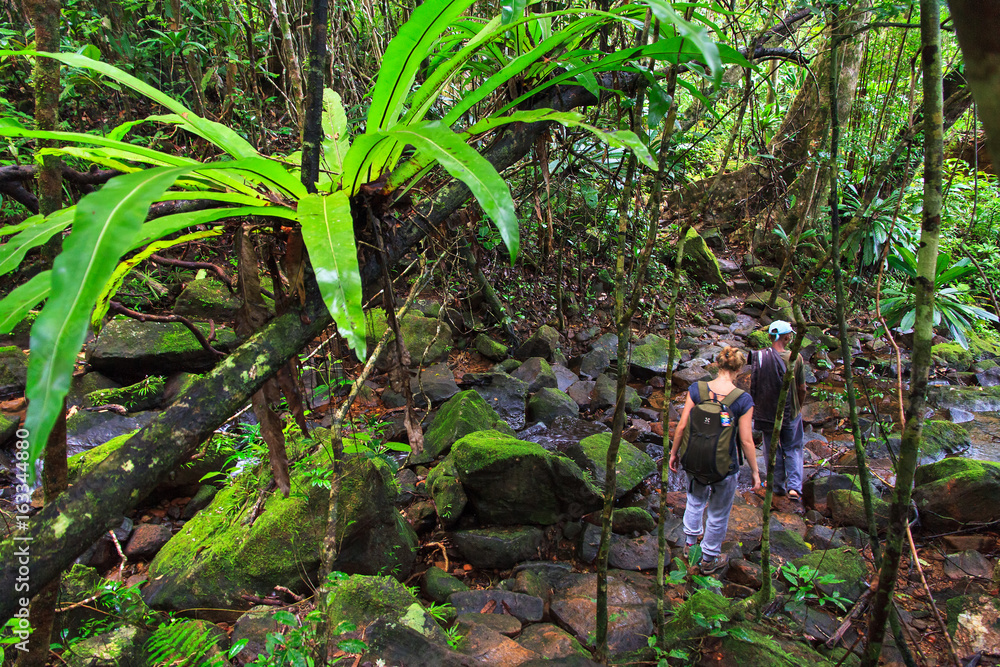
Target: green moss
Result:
[[844, 563], [951, 467], [953, 355], [484, 448], [759, 340], [363, 599], [449, 496], [632, 467], [703, 604], [700, 262], [464, 413], [82, 463], [943, 437], [139, 396]]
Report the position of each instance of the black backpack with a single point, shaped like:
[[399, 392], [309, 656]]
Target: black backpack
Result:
[[709, 450]]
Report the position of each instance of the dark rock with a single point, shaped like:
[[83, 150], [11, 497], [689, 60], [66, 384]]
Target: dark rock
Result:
[[725, 315], [82, 385], [549, 403], [590, 541], [120, 647], [362, 600], [815, 490], [143, 395], [537, 373], [581, 392], [818, 412], [607, 342], [543, 343], [433, 384], [447, 491], [8, 429], [395, 643], [86, 430], [824, 537], [788, 544], [744, 573], [207, 299], [550, 641], [700, 263], [128, 350], [464, 413], [491, 349], [437, 585], [651, 358], [13, 371], [505, 624], [254, 626], [628, 626], [489, 647], [728, 266], [509, 481], [955, 491], [845, 563], [848, 509], [970, 399], [507, 395], [632, 468], [594, 363], [564, 376], [526, 608], [638, 553], [498, 548], [942, 438], [628, 520], [605, 389], [506, 366], [202, 499], [967, 564], [426, 339]]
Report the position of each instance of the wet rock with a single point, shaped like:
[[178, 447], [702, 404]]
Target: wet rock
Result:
[[959, 416], [87, 430], [499, 548], [13, 370], [628, 626], [550, 641], [548, 404], [605, 389], [815, 490], [526, 608], [143, 395], [594, 363], [464, 413], [686, 377], [543, 343], [491, 349], [489, 647], [628, 520], [82, 385], [788, 544], [848, 509], [395, 643], [967, 564], [745, 573], [818, 412], [207, 299], [974, 623], [581, 392], [437, 585], [635, 554], [128, 350], [825, 537], [590, 541], [507, 395], [433, 384], [147, 540], [970, 399], [124, 645], [728, 266], [362, 600], [942, 438], [650, 358], [426, 339], [632, 468], [955, 491], [565, 378], [447, 491], [607, 342], [537, 373], [509, 481], [700, 262], [254, 626], [845, 563], [725, 315], [8, 429], [505, 624]]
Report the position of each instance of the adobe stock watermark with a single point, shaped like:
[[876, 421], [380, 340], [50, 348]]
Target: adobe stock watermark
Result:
[[21, 627]]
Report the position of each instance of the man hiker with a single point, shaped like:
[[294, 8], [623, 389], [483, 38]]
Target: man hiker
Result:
[[766, 375]]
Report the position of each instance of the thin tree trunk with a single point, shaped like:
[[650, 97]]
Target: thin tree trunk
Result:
[[279, 10], [977, 26], [45, 17], [312, 124], [930, 232]]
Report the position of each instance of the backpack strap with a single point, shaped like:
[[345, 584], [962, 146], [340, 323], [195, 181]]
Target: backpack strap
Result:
[[704, 393], [732, 397]]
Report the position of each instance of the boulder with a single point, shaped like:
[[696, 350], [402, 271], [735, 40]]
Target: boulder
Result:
[[214, 560], [788, 544], [594, 363], [764, 275], [581, 392], [543, 343], [847, 508], [967, 563], [147, 539], [362, 599], [8, 429], [632, 467], [974, 623], [447, 491], [128, 350], [816, 489], [433, 384], [509, 481], [608, 343], [650, 358], [549, 403], [499, 548], [488, 647], [207, 299], [123, 645], [682, 379], [640, 553], [846, 564], [628, 520], [942, 438], [758, 340], [537, 373], [565, 378], [87, 430], [81, 385], [464, 413], [550, 641], [437, 585], [489, 348], [507, 395], [143, 395], [725, 315], [526, 608], [700, 262], [970, 399], [427, 339], [955, 492], [254, 626], [605, 390], [505, 624], [13, 370]]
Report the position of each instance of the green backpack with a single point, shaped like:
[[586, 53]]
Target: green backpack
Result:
[[710, 449]]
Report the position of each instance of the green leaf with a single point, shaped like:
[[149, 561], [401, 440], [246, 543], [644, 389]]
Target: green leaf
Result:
[[403, 56], [352, 646], [105, 224], [286, 618], [169, 224], [337, 139], [235, 649], [125, 267], [665, 12], [22, 299], [463, 162], [328, 232], [659, 104], [12, 252], [512, 10]]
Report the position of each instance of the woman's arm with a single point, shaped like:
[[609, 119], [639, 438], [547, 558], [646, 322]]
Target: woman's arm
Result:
[[681, 425], [746, 442]]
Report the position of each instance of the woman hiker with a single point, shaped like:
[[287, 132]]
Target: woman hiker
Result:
[[733, 427]]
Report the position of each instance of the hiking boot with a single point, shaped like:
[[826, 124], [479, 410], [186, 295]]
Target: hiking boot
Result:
[[714, 564]]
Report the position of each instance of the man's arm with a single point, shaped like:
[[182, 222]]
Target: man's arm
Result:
[[800, 381]]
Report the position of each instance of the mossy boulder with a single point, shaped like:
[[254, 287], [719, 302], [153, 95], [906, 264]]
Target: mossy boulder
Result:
[[464, 413], [970, 399], [605, 391], [941, 438], [82, 463], [848, 509], [361, 600], [754, 645], [764, 275], [498, 547], [142, 395], [8, 429], [510, 481], [758, 339], [543, 343], [548, 404], [207, 299], [216, 558], [845, 563], [13, 370], [632, 467], [426, 339], [447, 491], [684, 627], [489, 348], [628, 520], [957, 492], [537, 373], [128, 350], [974, 623], [960, 358], [123, 645], [700, 262], [651, 357], [437, 585]]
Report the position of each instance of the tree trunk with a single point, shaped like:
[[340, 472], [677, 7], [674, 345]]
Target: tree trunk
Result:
[[930, 232], [45, 17], [977, 25]]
